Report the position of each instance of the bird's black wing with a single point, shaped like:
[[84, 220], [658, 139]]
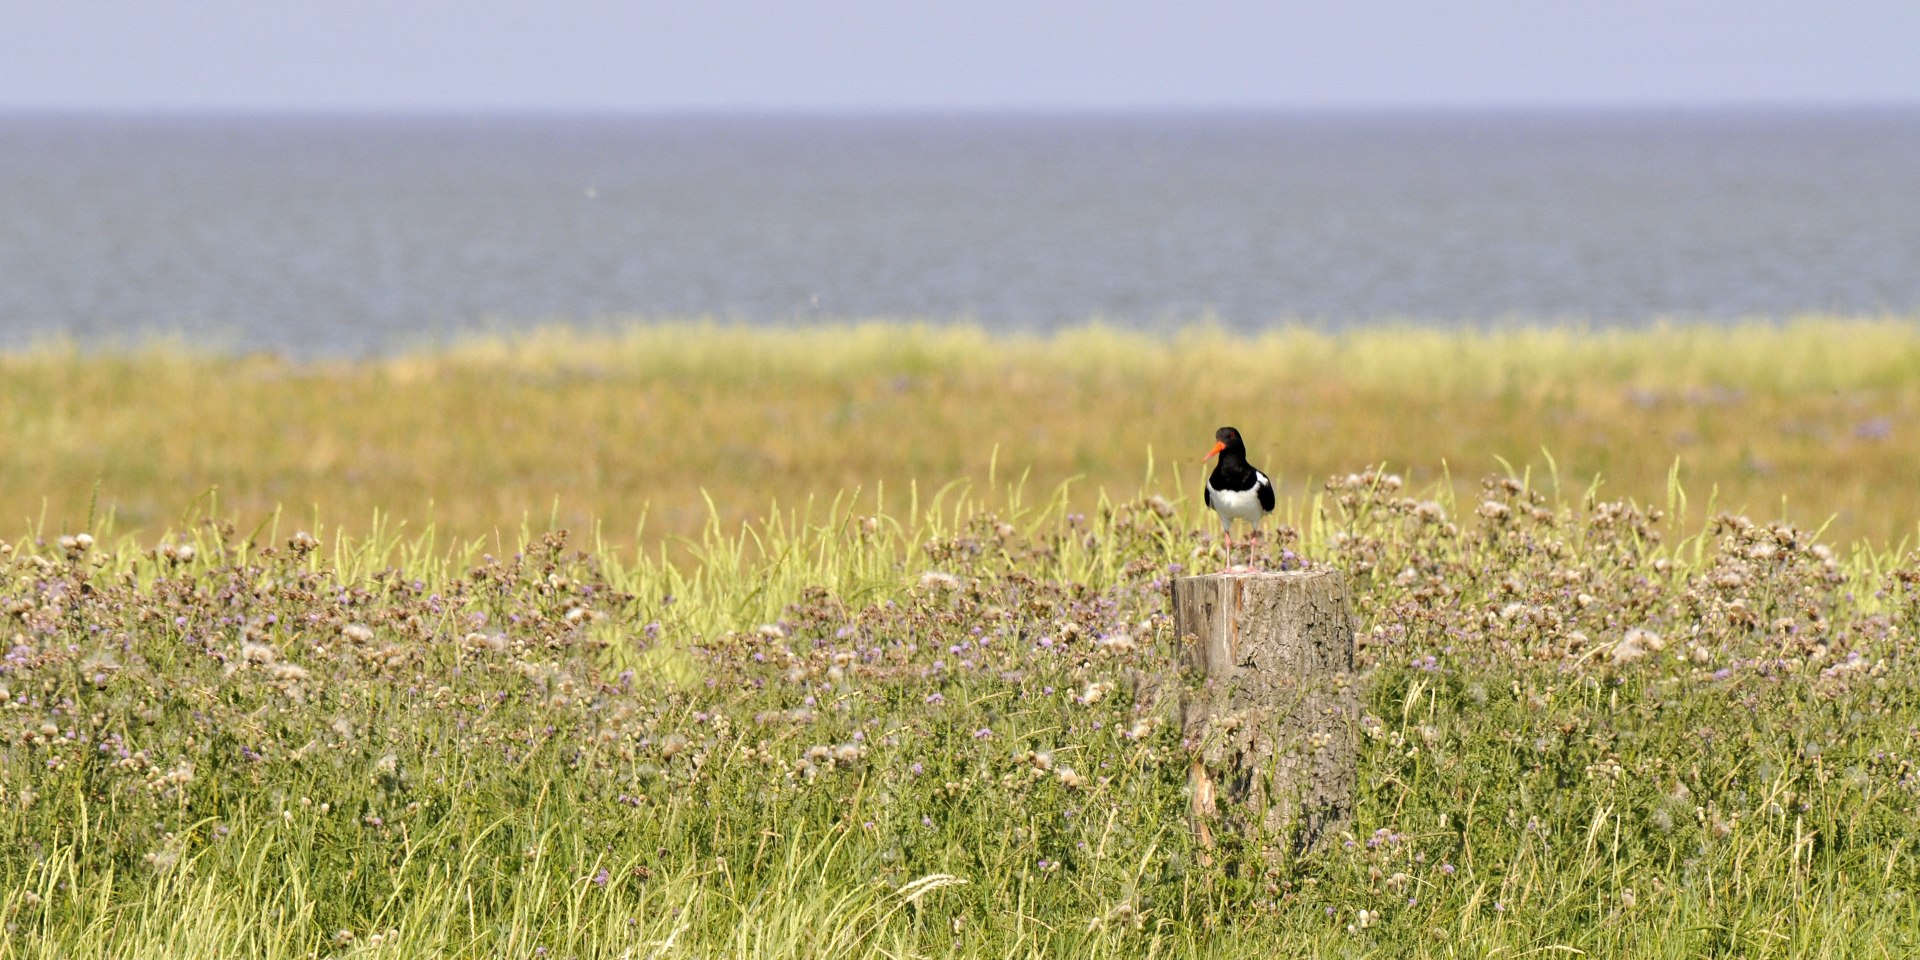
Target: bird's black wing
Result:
[[1206, 495], [1265, 487]]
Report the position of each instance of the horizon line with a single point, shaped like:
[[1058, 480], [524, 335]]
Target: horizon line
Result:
[[963, 112]]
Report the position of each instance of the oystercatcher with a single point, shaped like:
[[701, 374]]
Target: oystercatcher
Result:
[[1235, 490]]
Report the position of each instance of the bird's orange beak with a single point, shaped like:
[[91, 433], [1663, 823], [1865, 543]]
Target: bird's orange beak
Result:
[[1212, 453]]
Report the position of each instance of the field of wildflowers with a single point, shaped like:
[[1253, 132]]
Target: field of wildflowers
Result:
[[1590, 725], [937, 722]]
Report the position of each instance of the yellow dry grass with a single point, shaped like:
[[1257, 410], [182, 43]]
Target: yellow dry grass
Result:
[[1822, 414]]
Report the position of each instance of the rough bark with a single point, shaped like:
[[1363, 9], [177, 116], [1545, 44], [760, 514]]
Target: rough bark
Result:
[[1271, 707]]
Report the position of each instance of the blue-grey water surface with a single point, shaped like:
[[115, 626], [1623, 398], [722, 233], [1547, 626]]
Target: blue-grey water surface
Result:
[[357, 235]]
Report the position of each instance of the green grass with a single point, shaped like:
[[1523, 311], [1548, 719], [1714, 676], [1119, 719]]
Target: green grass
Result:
[[887, 717], [1590, 727], [637, 433]]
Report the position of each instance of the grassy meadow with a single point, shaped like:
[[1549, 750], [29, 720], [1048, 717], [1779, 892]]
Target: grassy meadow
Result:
[[580, 431], [501, 651]]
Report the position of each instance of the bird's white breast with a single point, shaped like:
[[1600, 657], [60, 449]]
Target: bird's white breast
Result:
[[1238, 504]]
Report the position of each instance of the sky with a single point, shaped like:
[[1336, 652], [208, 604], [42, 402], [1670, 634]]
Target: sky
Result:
[[704, 56]]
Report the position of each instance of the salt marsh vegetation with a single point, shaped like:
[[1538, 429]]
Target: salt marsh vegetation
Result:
[[936, 721], [641, 434]]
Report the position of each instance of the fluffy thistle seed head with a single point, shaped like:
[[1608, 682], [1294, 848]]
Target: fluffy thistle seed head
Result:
[[1636, 645], [484, 641]]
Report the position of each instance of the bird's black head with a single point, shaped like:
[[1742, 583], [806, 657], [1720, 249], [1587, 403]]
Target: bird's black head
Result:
[[1227, 440]]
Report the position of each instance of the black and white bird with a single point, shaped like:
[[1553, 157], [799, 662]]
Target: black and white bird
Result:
[[1236, 490]]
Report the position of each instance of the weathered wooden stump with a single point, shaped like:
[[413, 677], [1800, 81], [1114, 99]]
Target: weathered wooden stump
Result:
[[1272, 706]]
